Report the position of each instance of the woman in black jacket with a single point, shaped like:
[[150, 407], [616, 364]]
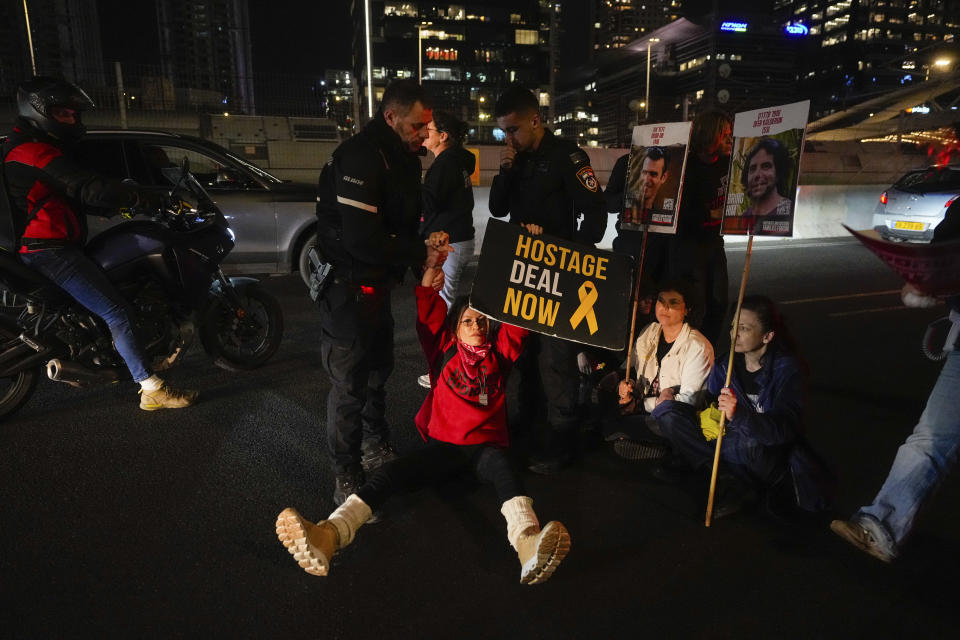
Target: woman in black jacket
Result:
[[448, 196], [448, 200]]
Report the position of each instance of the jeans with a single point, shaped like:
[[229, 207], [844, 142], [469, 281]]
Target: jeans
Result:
[[453, 269], [437, 461], [356, 351], [74, 272], [921, 464]]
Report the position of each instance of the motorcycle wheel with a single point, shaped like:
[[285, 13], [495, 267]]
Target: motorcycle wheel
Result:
[[245, 340], [15, 390]]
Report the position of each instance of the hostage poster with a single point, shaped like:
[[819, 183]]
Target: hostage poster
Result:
[[658, 154], [553, 286], [765, 170]]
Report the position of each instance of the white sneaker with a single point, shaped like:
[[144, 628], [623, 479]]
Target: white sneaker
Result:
[[424, 381]]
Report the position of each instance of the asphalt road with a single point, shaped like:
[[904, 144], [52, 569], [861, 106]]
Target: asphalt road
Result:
[[120, 523]]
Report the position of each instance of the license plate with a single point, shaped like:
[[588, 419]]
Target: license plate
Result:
[[909, 226]]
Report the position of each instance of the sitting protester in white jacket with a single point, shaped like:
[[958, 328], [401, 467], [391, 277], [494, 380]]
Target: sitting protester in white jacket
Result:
[[672, 361]]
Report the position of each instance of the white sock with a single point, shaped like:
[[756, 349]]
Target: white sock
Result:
[[520, 517], [152, 383], [348, 517]]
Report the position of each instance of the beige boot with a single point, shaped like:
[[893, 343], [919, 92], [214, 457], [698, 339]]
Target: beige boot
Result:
[[313, 545], [540, 550]]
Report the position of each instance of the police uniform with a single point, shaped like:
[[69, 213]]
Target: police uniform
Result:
[[550, 187], [368, 208]]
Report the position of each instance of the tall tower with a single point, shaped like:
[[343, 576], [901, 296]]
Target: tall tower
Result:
[[618, 22], [205, 50], [66, 42]]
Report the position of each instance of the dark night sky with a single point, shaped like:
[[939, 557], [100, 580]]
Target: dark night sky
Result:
[[288, 36]]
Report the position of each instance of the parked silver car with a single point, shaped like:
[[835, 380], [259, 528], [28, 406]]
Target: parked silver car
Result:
[[274, 220], [917, 202]]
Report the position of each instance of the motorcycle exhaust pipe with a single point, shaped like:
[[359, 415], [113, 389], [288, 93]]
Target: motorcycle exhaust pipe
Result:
[[77, 375]]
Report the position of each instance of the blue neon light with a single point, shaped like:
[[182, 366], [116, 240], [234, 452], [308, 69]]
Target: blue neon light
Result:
[[796, 29], [738, 27]]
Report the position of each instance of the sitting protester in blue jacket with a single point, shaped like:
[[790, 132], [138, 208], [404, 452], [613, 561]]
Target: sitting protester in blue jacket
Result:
[[763, 443]]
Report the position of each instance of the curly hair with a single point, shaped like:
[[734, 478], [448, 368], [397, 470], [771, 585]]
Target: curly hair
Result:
[[781, 162]]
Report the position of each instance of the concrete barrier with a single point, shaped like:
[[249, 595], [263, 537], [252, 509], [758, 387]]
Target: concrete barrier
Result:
[[821, 210]]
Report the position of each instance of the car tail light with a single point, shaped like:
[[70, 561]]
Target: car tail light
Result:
[[883, 198], [950, 201]]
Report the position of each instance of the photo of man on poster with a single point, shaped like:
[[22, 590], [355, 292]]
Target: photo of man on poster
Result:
[[767, 167]]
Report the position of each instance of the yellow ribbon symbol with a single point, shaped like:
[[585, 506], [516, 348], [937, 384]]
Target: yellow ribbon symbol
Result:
[[588, 297]]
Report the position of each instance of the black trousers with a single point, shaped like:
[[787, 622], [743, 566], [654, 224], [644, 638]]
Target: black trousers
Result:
[[356, 352], [548, 389], [438, 461]]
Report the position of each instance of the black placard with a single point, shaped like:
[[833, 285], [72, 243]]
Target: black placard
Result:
[[553, 286]]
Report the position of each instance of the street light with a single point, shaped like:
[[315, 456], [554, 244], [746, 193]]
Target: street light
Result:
[[26, 16], [646, 113]]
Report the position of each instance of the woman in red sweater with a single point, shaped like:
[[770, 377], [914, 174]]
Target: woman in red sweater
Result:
[[464, 420]]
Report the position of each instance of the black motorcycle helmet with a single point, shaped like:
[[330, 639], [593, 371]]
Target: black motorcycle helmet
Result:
[[36, 97]]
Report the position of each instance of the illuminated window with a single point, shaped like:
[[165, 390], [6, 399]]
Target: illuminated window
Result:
[[526, 36], [407, 9], [515, 18]]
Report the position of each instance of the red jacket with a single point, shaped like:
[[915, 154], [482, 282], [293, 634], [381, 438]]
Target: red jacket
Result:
[[47, 187], [452, 411]]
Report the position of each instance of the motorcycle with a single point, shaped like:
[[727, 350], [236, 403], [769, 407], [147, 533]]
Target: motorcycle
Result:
[[168, 269]]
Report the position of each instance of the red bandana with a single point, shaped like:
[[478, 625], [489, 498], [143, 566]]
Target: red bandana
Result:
[[472, 356]]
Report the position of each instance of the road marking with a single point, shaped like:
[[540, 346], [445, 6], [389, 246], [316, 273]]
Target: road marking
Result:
[[739, 246], [854, 313], [843, 297]]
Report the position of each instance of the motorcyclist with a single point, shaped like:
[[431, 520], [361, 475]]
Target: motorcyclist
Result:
[[48, 191]]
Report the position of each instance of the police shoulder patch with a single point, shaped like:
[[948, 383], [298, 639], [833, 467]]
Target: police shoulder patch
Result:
[[587, 178]]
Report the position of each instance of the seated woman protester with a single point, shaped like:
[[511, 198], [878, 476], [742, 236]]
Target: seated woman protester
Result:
[[464, 420], [763, 407], [672, 362]]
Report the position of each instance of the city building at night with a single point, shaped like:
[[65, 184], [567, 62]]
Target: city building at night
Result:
[[734, 62], [617, 23], [855, 50], [205, 53], [464, 53], [66, 42]]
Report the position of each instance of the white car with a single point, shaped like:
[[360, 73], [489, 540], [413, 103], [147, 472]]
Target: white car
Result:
[[917, 203]]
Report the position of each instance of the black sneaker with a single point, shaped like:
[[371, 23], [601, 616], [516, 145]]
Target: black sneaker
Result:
[[550, 462], [347, 484], [733, 495], [374, 457]]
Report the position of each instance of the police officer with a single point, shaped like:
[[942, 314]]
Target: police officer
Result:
[[48, 191], [368, 208], [549, 182]]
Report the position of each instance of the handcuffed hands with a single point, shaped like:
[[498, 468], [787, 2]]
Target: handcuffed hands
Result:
[[438, 246]]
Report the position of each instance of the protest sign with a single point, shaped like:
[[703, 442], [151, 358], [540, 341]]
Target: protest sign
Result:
[[658, 154], [764, 170], [553, 286], [934, 268]]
